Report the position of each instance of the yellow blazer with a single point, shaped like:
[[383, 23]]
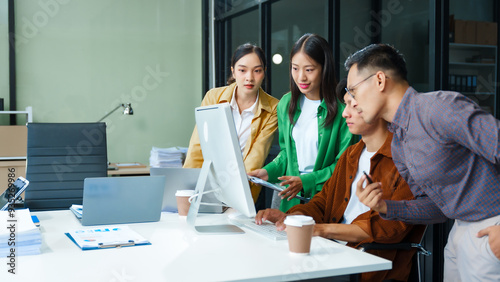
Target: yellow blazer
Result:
[[264, 124]]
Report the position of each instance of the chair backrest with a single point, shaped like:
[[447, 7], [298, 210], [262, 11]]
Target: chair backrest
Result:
[[59, 157], [413, 240]]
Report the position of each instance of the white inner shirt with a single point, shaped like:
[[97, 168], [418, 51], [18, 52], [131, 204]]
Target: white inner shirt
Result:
[[305, 134], [355, 207], [243, 121]]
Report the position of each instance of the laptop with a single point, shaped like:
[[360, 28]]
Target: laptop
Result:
[[177, 178], [116, 200]]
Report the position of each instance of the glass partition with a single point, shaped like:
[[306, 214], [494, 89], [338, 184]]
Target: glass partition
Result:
[[408, 19], [355, 30], [4, 59], [289, 21], [244, 29]]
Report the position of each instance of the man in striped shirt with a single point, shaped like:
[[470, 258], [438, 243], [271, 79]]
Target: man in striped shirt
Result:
[[448, 151]]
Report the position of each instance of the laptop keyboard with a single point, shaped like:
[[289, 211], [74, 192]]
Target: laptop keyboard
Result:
[[267, 229]]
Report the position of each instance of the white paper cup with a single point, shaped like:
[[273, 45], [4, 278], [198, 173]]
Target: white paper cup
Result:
[[299, 230], [183, 204]]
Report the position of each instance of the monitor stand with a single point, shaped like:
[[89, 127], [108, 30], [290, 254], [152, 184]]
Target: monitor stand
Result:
[[206, 170]]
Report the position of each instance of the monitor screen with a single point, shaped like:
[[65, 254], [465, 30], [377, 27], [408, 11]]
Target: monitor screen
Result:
[[223, 163]]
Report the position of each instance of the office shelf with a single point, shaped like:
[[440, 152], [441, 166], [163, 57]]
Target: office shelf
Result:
[[28, 112], [478, 93], [29, 118], [473, 72], [460, 64]]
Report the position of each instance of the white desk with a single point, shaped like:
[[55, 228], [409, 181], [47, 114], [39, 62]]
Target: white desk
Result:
[[178, 253]]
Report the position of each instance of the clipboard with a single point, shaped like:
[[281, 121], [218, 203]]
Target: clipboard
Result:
[[106, 237]]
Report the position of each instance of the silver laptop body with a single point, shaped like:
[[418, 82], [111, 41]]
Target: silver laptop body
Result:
[[183, 179], [115, 200]]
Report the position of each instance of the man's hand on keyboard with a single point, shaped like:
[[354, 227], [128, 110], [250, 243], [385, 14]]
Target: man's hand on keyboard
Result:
[[273, 215]]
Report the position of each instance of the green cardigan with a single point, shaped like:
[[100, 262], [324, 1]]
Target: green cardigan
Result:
[[332, 140]]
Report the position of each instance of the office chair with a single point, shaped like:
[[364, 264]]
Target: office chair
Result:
[[416, 270], [59, 157]]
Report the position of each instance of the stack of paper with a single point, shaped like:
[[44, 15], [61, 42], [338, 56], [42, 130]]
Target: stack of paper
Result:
[[77, 210], [18, 234], [167, 157]]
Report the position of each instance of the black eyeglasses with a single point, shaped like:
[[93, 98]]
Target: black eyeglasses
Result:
[[348, 90]]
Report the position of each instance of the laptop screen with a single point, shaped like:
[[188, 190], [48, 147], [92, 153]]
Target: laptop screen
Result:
[[116, 200]]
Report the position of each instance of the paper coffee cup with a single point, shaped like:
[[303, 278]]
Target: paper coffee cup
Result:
[[183, 204], [299, 230]]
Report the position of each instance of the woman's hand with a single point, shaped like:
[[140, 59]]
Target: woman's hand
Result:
[[295, 186], [259, 173]]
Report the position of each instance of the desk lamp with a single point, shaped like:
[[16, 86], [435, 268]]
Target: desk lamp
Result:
[[127, 110]]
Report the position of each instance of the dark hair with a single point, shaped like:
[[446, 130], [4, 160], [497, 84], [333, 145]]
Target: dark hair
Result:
[[244, 50], [341, 89], [380, 56], [317, 48]]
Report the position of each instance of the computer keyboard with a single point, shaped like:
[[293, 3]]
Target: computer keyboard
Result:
[[267, 229]]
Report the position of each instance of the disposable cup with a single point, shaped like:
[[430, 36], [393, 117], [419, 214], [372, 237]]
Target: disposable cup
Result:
[[183, 204], [299, 230]]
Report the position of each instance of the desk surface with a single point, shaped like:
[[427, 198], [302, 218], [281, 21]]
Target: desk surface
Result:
[[178, 253]]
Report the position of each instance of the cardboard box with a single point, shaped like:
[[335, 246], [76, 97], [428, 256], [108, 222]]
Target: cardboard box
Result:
[[10, 171], [14, 141], [465, 32], [486, 33]]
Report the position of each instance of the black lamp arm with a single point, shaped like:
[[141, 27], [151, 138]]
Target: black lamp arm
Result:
[[105, 116]]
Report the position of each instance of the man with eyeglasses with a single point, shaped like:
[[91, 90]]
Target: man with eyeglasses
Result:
[[338, 213], [448, 151]]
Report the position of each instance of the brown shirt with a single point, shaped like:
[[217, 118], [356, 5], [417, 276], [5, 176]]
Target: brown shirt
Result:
[[328, 206]]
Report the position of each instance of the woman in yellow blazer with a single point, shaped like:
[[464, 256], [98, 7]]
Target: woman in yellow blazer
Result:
[[254, 111]]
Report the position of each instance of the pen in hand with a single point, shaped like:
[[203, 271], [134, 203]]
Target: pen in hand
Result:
[[370, 181]]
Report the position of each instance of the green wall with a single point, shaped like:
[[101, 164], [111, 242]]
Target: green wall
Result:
[[77, 60]]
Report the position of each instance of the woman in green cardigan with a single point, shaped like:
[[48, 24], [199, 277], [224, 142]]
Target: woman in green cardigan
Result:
[[312, 132]]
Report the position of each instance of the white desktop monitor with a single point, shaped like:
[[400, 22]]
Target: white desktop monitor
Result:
[[223, 166]]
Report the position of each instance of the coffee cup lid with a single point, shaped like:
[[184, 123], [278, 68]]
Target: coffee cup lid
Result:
[[184, 193], [299, 220]]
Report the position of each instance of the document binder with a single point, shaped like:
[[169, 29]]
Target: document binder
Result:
[[106, 237]]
